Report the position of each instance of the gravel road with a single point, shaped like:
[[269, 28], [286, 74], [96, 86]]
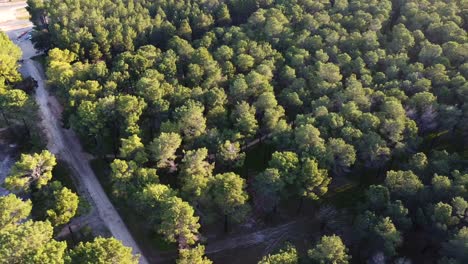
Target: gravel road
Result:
[[64, 143]]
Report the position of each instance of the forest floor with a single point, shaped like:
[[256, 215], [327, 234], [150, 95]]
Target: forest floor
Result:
[[62, 142]]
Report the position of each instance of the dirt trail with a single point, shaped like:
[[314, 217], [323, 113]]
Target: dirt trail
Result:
[[262, 242], [64, 143], [247, 240], [8, 11]]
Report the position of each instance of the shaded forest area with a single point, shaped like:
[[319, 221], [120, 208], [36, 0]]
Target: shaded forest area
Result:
[[174, 91]]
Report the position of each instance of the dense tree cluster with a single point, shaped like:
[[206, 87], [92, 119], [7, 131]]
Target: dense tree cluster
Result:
[[16, 106], [31, 176], [31, 172], [9, 55], [286, 255], [428, 197], [179, 89], [330, 249], [26, 238], [32, 214]]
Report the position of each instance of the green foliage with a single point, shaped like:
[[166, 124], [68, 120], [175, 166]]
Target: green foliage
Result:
[[441, 185], [9, 55], [190, 120], [402, 38], [133, 149], [332, 87], [153, 195], [13, 210], [31, 242], [195, 173], [443, 215], [399, 214], [31, 171], [388, 232], [229, 195], [378, 197], [340, 155], [17, 108], [313, 182], [379, 232], [178, 223], [244, 119], [100, 251], [170, 216], [130, 108], [308, 139], [329, 72], [403, 183], [456, 248], [434, 205], [193, 256], [330, 249], [59, 70], [13, 104], [127, 177], [65, 205], [287, 164], [164, 147], [230, 154], [269, 185], [286, 255]]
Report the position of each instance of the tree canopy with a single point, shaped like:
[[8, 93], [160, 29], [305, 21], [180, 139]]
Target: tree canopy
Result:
[[230, 108], [31, 171], [330, 249], [102, 250]]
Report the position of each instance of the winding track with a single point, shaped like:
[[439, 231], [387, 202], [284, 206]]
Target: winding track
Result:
[[65, 144]]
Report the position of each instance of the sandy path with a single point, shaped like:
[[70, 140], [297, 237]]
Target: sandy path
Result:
[[8, 11], [8, 16], [251, 239], [64, 143]]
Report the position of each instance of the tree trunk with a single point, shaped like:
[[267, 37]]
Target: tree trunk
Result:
[[115, 139], [71, 234], [27, 128], [433, 141], [5, 118], [301, 202], [97, 148], [151, 126], [226, 227]]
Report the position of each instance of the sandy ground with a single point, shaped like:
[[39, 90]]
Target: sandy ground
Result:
[[66, 145], [8, 16], [62, 142]]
